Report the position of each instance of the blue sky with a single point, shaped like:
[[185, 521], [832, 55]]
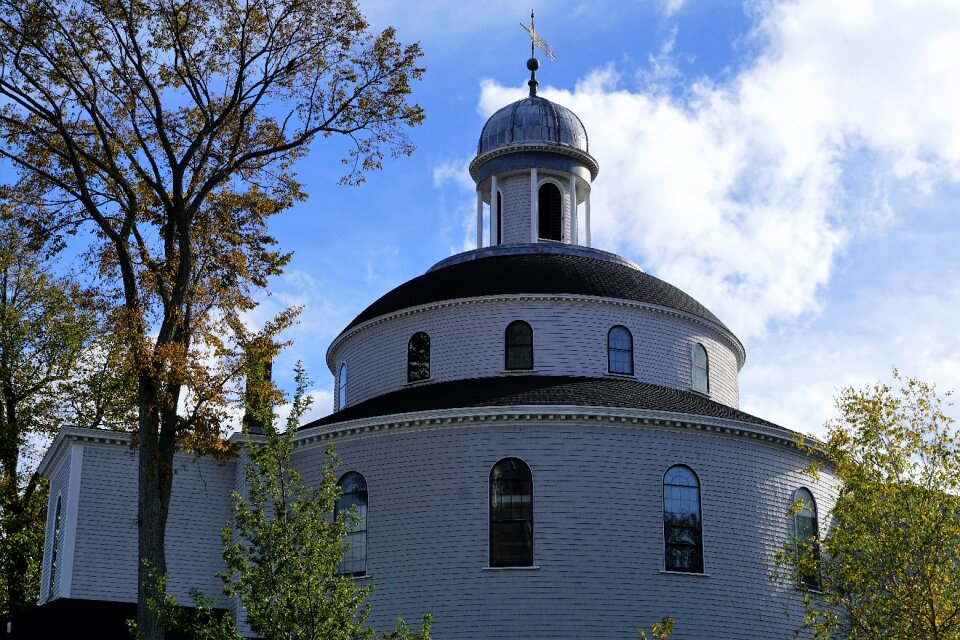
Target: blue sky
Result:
[[794, 166]]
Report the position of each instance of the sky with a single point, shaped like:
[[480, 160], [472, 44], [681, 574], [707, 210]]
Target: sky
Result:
[[794, 166]]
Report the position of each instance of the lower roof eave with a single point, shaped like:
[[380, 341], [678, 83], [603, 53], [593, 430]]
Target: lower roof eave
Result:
[[619, 416]]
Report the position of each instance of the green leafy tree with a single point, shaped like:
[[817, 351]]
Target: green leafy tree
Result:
[[659, 631], [284, 548], [889, 565], [165, 132], [46, 324]]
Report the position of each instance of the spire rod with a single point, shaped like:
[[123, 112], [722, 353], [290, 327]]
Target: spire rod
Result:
[[533, 35], [536, 42]]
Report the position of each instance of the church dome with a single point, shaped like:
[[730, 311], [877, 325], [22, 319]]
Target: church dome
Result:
[[533, 120], [534, 270]]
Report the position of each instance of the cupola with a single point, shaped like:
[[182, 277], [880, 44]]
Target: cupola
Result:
[[533, 171]]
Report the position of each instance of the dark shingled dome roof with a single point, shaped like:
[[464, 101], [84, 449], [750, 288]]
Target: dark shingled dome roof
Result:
[[534, 273], [503, 391]]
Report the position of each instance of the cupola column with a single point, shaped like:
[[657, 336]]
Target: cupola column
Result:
[[586, 219], [479, 219], [573, 209], [534, 205], [494, 217]]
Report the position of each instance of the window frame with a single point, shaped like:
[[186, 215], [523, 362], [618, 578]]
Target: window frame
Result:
[[499, 218], [611, 349], [541, 213], [342, 386], [811, 582], [55, 538], [352, 531], [490, 517], [410, 362], [698, 347], [507, 347], [701, 568]]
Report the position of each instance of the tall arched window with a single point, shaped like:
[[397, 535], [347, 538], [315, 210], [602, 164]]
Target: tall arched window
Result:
[[518, 346], [342, 387], [806, 537], [57, 521], [701, 369], [511, 514], [499, 218], [550, 208], [682, 530], [620, 350], [353, 493], [418, 357]]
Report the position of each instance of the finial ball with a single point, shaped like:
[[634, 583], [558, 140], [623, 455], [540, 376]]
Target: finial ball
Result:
[[533, 64]]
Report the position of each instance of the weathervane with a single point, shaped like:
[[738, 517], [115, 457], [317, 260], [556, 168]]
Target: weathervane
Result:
[[536, 42]]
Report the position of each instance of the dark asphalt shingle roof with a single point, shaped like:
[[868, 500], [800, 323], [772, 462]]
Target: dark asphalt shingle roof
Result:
[[510, 390], [535, 274]]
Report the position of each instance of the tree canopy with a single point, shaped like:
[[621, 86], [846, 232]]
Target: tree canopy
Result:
[[284, 548], [162, 134], [889, 564], [47, 323]]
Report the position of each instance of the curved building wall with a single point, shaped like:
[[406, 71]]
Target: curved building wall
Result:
[[569, 337], [598, 537]]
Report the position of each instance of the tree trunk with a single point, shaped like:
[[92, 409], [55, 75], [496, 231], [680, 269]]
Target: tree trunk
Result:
[[14, 506], [156, 447]]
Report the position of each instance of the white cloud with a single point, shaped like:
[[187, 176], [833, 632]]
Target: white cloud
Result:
[[457, 173], [911, 325], [807, 200], [739, 193], [322, 406], [701, 195], [670, 7]]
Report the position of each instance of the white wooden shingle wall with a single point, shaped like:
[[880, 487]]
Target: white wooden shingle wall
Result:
[[570, 338], [105, 560], [59, 487], [598, 539], [515, 196]]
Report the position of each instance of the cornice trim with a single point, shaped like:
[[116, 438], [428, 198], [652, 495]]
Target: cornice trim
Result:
[[623, 417], [562, 149], [78, 434]]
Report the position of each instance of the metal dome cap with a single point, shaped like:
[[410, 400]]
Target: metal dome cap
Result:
[[533, 120]]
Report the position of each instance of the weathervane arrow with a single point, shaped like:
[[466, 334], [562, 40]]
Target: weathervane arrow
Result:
[[537, 41]]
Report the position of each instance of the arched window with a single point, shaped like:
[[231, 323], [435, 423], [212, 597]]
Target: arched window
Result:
[[682, 531], [499, 218], [620, 350], [418, 357], [511, 514], [701, 369], [518, 346], [806, 537], [550, 209], [353, 493], [57, 521], [342, 387]]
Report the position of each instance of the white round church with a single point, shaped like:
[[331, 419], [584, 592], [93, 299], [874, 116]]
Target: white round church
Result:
[[544, 440]]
